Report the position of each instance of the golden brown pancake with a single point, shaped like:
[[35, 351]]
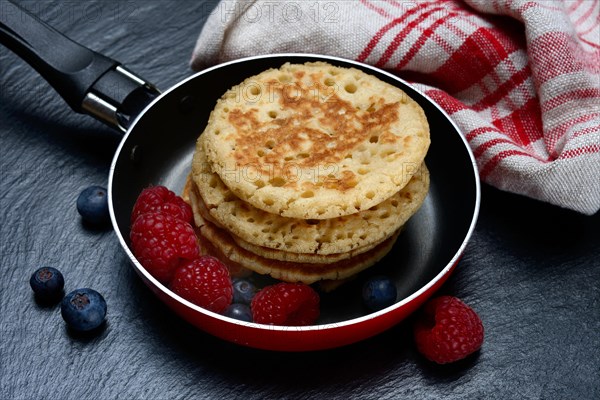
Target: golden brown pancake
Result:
[[218, 242], [314, 141], [300, 240]]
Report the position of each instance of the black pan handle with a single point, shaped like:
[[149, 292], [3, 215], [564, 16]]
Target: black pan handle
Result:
[[89, 82]]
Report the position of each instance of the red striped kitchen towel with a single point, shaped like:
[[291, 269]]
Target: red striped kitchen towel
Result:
[[521, 78]]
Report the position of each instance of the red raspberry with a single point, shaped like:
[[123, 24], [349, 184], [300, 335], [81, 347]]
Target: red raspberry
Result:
[[161, 199], [448, 330], [161, 242], [205, 282], [289, 304]]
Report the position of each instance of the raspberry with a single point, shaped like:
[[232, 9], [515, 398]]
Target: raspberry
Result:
[[161, 199], [161, 242], [289, 304], [205, 282], [448, 330]]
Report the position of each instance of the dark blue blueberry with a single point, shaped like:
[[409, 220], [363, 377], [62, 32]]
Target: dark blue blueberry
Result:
[[47, 283], [92, 205], [83, 309], [239, 311], [243, 291], [378, 293]]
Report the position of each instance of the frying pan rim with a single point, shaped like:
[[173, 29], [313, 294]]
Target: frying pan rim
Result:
[[310, 328]]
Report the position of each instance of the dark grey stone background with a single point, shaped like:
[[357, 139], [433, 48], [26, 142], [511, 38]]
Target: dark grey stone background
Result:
[[532, 271]]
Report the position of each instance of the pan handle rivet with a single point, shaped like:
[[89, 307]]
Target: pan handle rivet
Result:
[[134, 156], [186, 104]]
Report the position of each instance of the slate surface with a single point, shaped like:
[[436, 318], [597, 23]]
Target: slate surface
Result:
[[532, 271]]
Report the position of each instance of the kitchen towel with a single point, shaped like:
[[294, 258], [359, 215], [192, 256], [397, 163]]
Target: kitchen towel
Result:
[[521, 78]]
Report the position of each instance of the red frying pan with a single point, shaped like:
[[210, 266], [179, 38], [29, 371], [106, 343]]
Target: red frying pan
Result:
[[160, 132]]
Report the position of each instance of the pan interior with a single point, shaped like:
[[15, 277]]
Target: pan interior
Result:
[[159, 148]]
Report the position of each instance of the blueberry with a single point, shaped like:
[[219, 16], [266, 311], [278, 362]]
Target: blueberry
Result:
[[83, 309], [378, 293], [47, 283], [243, 291], [239, 311], [92, 205]]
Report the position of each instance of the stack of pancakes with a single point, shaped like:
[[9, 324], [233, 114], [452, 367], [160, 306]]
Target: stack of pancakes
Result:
[[308, 172]]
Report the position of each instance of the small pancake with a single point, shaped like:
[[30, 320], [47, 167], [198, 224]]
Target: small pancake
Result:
[[219, 243], [315, 141], [303, 257], [198, 207], [225, 248], [333, 237]]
